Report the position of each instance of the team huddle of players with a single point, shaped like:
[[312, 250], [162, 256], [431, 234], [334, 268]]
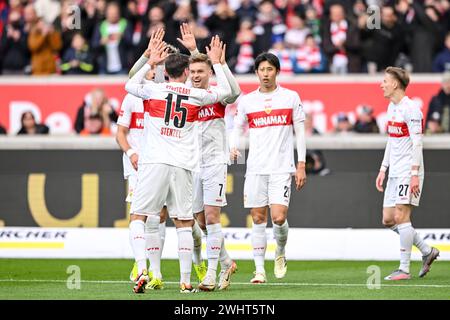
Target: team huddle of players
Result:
[[176, 154]]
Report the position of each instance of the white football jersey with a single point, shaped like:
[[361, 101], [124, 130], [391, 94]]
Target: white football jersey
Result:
[[404, 119], [170, 112], [131, 115], [271, 139], [212, 134]]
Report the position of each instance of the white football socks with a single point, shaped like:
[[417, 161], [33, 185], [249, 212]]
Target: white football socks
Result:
[[153, 245], [185, 248], [213, 245], [406, 232], [259, 243], [225, 260], [197, 235], [162, 234], [137, 241], [281, 235], [424, 248]]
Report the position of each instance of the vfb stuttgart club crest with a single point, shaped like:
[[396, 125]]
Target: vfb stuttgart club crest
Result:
[[268, 106]]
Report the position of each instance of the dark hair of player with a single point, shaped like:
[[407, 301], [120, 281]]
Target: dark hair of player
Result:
[[269, 57], [399, 74], [175, 64]]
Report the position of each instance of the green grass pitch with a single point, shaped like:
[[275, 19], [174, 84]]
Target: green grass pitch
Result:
[[108, 279]]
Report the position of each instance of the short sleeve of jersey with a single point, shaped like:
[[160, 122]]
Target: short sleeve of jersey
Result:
[[414, 119], [125, 111], [298, 112]]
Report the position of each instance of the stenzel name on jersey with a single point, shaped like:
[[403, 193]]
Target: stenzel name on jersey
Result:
[[169, 132]]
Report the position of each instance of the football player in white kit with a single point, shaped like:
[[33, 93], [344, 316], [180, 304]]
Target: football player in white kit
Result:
[[272, 113], [210, 180], [130, 125], [199, 265], [404, 158], [169, 154]]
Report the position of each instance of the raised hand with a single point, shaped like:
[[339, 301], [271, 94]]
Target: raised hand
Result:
[[156, 38], [187, 37], [214, 51], [222, 57], [158, 54]]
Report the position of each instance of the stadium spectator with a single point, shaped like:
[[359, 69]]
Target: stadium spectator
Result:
[[313, 23], [382, 46], [440, 104], [90, 17], [152, 22], [424, 31], [95, 125], [29, 125], [65, 25], [309, 58], [2, 130], [268, 26], [442, 61], [343, 124], [48, 10], [365, 122], [14, 53], [284, 55], [434, 124], [247, 10], [44, 43], [412, 34], [295, 36], [341, 42], [95, 103], [224, 23], [77, 59], [245, 48], [111, 41]]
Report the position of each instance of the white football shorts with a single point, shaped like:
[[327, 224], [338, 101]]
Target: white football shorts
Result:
[[132, 182], [263, 190], [210, 185], [398, 192], [159, 184]]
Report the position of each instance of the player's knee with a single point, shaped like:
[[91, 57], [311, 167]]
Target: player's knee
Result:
[[388, 222], [279, 220], [258, 219], [401, 214], [202, 225]]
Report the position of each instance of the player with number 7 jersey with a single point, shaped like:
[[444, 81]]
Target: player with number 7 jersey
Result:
[[169, 154]]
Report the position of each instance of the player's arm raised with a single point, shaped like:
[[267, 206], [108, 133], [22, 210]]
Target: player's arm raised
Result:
[[384, 166], [134, 85], [299, 128], [235, 89], [223, 89], [188, 38], [156, 37]]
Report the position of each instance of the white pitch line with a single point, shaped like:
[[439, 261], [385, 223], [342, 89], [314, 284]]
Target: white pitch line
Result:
[[275, 284]]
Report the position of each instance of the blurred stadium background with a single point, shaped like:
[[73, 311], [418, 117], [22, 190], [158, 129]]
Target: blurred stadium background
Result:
[[61, 186]]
